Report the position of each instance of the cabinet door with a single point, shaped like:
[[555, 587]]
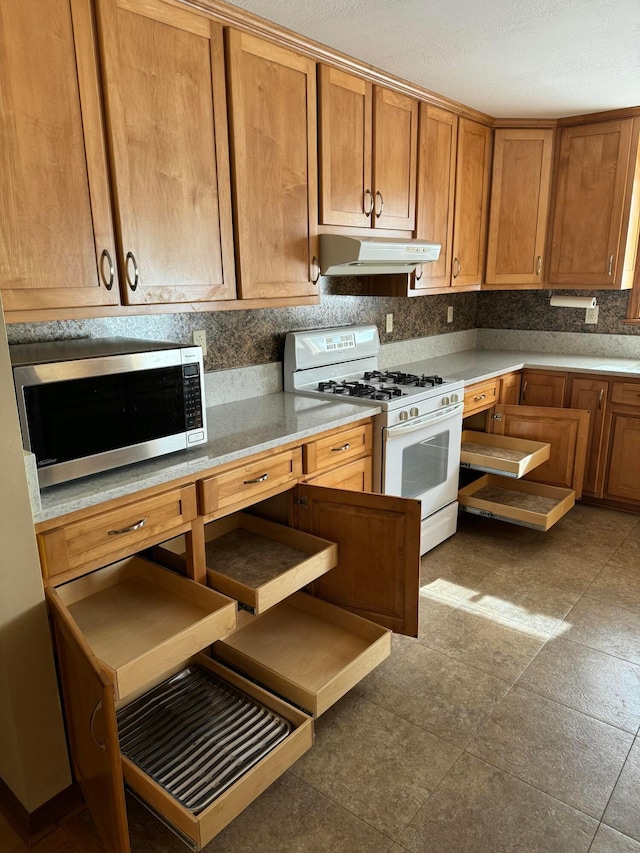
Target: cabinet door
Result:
[[624, 458], [589, 203], [509, 391], [591, 395], [92, 731], [395, 141], [345, 112], [378, 538], [472, 199], [543, 389], [519, 204], [165, 92], [57, 246], [435, 191], [272, 108], [566, 430]]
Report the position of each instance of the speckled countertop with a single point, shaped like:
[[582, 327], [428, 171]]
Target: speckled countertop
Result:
[[477, 365], [235, 430], [242, 428]]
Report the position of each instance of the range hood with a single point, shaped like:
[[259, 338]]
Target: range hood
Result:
[[342, 255]]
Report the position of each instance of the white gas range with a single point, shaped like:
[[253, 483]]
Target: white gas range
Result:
[[417, 436]]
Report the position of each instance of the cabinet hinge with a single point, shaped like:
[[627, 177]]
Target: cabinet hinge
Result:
[[497, 417], [300, 502]]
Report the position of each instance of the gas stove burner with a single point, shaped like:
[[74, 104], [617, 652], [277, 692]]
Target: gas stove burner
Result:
[[328, 386], [397, 377]]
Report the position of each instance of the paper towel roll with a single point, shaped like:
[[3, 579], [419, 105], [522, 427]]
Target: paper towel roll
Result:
[[573, 302]]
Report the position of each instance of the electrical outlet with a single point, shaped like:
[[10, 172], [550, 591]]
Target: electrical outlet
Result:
[[389, 324], [450, 314], [200, 340], [591, 315]]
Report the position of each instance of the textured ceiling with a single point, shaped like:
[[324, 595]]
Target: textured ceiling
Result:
[[508, 58]]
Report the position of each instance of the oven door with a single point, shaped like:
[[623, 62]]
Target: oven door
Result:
[[421, 458]]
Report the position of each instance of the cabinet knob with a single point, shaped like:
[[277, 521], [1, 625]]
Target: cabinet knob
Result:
[[404, 415], [414, 412]]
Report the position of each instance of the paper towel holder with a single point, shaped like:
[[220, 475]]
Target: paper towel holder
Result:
[[581, 302]]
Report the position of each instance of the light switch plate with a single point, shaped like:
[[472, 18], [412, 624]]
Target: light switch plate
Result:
[[450, 314], [389, 324]]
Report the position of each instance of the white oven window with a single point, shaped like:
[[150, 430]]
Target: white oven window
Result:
[[425, 465]]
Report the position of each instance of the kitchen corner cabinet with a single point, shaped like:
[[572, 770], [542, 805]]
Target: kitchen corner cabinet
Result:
[[272, 115], [520, 186], [126, 630], [164, 80], [58, 247], [368, 146], [596, 206], [543, 388]]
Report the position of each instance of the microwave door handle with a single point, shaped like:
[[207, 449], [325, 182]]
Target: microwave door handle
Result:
[[412, 426]]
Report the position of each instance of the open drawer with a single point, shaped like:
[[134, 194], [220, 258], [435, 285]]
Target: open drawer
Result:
[[267, 738], [139, 619], [501, 454], [520, 502], [255, 561], [307, 650]]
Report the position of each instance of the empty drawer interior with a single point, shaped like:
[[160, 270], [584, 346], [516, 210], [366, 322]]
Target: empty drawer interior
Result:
[[139, 618], [526, 503], [259, 562], [510, 457]]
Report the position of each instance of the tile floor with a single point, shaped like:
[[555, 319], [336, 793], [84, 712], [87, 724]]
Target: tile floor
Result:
[[510, 724]]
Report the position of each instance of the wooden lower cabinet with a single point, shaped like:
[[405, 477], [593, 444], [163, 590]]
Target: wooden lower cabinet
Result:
[[622, 482], [591, 393], [565, 430], [134, 631], [543, 388]]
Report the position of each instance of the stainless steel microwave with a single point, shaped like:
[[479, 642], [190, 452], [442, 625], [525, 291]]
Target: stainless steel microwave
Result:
[[93, 404]]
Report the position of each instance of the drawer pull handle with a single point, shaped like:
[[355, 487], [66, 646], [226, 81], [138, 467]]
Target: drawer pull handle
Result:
[[377, 212], [610, 268], [91, 724], [339, 449], [257, 480], [133, 527], [456, 268], [539, 265], [524, 390], [600, 396], [367, 208], [480, 397], [136, 272], [108, 282]]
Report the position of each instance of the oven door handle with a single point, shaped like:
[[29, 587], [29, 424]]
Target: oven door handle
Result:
[[421, 422]]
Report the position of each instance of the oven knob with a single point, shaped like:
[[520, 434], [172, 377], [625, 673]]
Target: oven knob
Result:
[[414, 412], [454, 398], [446, 401], [404, 415]]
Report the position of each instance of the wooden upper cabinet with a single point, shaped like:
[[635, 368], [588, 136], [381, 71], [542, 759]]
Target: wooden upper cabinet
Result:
[[165, 94], [435, 192], [521, 182], [471, 202], [395, 147], [594, 234], [368, 152], [346, 117], [57, 247], [272, 109]]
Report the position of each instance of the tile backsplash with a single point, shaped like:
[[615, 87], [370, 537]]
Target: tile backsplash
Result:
[[255, 337], [244, 338], [530, 309]]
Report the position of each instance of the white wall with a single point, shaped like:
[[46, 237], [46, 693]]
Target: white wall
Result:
[[33, 752]]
